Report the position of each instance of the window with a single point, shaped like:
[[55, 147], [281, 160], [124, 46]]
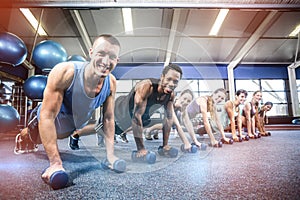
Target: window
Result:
[[249, 85], [274, 91]]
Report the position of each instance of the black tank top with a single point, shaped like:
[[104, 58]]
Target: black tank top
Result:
[[153, 101], [124, 106], [252, 111]]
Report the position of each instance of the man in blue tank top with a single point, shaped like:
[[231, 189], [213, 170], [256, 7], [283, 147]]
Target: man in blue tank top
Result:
[[73, 91]]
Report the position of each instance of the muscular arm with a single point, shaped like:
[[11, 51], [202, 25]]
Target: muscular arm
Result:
[[168, 120], [142, 91], [109, 119], [58, 81]]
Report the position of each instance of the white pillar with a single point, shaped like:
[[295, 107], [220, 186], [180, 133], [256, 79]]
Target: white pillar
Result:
[[293, 90], [231, 86]]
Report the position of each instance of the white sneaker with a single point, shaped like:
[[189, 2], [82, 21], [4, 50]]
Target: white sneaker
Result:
[[20, 146]]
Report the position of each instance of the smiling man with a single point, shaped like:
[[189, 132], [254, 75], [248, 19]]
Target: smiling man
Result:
[[135, 109], [73, 91]]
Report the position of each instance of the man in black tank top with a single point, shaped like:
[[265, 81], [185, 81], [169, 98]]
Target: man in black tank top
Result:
[[135, 109]]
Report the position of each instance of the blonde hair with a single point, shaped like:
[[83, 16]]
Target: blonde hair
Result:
[[210, 103]]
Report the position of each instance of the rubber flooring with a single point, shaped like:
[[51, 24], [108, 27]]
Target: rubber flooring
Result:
[[265, 168]]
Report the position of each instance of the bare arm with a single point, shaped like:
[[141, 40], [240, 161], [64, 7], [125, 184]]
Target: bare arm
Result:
[[58, 81], [109, 120], [189, 125], [239, 123], [259, 123], [203, 108], [247, 110], [230, 112], [142, 91], [179, 129], [168, 120], [219, 125]]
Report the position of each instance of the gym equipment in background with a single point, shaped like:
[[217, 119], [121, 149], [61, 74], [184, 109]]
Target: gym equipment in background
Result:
[[9, 118], [34, 87], [12, 49], [47, 54]]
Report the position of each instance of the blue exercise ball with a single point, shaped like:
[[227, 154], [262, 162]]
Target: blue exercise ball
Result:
[[34, 87], [12, 49], [9, 118], [76, 58], [48, 53]]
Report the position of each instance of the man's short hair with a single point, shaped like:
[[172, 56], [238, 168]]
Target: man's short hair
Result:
[[173, 67], [111, 39]]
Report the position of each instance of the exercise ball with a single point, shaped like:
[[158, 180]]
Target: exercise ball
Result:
[[9, 118], [47, 54], [12, 49], [76, 58], [34, 87]]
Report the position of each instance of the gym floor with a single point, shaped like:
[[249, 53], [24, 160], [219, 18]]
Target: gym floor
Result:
[[265, 168]]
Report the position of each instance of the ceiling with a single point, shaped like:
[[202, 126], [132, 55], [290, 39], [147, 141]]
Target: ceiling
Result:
[[165, 32]]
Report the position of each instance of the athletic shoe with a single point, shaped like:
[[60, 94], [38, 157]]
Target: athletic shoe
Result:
[[31, 147], [73, 143], [100, 140], [115, 139], [155, 136], [147, 135], [123, 137], [20, 145]]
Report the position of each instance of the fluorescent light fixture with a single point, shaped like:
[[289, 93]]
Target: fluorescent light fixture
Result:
[[33, 21], [295, 31], [219, 21], [127, 20]]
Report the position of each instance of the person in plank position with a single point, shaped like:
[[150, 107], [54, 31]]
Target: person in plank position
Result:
[[231, 115], [206, 106], [134, 110], [262, 118], [73, 91]]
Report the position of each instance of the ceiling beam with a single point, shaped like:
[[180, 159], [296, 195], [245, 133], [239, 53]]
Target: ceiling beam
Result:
[[246, 48], [253, 39], [294, 65], [238, 4], [82, 30], [172, 35]]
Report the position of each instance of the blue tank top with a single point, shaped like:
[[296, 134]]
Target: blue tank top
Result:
[[77, 107]]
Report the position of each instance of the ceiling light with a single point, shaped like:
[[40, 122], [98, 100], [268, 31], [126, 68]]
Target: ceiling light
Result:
[[219, 21], [295, 31], [127, 20], [32, 20]]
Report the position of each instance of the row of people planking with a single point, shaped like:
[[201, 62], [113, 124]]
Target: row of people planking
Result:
[[75, 90], [201, 116]]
